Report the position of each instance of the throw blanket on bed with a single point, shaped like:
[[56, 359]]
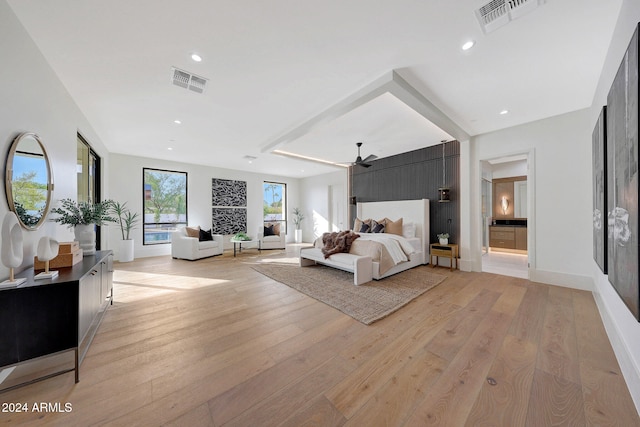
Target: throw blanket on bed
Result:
[[336, 242]]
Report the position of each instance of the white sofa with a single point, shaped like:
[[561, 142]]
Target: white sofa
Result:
[[271, 242], [185, 247]]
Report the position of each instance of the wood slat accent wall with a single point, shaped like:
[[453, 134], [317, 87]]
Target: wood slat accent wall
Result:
[[414, 175]]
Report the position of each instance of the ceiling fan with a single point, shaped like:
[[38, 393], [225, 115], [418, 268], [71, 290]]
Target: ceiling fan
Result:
[[359, 161]]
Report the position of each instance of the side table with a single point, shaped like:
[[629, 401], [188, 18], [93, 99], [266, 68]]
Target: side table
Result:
[[446, 251]]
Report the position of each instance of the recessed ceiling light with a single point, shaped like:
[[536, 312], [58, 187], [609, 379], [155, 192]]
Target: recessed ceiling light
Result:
[[196, 57], [503, 112], [468, 45], [170, 148], [178, 122]]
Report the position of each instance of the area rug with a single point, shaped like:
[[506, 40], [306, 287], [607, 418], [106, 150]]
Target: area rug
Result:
[[365, 303]]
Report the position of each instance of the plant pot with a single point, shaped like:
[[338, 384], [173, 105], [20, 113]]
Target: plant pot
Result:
[[126, 251], [444, 241], [86, 235], [298, 236]]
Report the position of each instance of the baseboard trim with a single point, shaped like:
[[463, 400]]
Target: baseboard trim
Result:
[[574, 281]]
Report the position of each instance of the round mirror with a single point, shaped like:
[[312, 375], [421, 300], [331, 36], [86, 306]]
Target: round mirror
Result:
[[28, 180]]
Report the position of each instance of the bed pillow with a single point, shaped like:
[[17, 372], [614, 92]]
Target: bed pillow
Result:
[[377, 227], [364, 228], [409, 230], [393, 227], [357, 224]]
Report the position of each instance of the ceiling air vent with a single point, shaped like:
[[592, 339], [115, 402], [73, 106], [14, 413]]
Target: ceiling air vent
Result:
[[498, 13], [188, 80]]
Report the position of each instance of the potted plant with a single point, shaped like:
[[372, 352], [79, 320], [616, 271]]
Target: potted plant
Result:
[[443, 238], [127, 221], [83, 218], [298, 216], [241, 236]]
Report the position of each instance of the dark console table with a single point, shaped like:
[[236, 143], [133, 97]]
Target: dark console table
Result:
[[46, 317]]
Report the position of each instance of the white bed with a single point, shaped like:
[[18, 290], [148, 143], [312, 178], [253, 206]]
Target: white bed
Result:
[[363, 267]]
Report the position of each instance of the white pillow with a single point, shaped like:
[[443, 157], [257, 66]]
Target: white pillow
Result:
[[408, 230]]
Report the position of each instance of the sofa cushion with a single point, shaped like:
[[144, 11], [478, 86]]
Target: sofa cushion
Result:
[[207, 244], [271, 239], [268, 231], [205, 235], [193, 231]]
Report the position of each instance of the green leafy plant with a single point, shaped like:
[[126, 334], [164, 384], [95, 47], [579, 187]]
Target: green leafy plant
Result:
[[241, 236], [443, 236], [298, 216], [72, 213], [126, 219]]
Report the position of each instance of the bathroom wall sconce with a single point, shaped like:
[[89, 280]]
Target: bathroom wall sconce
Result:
[[504, 203]]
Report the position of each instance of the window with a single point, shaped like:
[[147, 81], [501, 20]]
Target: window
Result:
[[88, 177], [275, 203], [165, 204]]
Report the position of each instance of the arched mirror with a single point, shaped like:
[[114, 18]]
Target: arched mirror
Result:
[[28, 180]]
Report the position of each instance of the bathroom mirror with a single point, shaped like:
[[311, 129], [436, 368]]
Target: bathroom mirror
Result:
[[28, 180]]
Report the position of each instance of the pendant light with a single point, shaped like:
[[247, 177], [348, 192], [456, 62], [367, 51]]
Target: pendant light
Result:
[[443, 191]]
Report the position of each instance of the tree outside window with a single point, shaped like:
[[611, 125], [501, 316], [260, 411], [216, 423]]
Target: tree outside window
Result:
[[274, 202], [165, 204]]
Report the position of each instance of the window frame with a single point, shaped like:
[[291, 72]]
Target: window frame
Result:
[[163, 225], [282, 221]]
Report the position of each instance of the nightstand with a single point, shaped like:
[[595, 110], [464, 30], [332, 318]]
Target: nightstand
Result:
[[446, 251]]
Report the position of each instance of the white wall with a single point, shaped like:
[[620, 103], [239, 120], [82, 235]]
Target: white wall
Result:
[[126, 183], [622, 327], [34, 100], [315, 196], [509, 169], [561, 151]]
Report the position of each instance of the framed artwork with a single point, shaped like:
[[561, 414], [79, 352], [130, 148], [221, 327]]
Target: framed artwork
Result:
[[227, 192], [599, 140], [622, 176], [229, 220]]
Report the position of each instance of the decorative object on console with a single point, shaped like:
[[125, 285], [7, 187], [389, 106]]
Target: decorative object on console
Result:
[[443, 238], [444, 191], [11, 248], [84, 217], [298, 216], [127, 221], [69, 254], [46, 251]]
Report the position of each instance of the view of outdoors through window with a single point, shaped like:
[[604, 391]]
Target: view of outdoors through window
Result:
[[274, 202], [165, 204]]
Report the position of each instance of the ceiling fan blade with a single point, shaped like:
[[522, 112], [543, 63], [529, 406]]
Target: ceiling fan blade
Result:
[[370, 158]]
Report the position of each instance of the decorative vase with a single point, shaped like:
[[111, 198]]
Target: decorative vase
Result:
[[86, 236], [298, 236], [126, 251], [444, 241]]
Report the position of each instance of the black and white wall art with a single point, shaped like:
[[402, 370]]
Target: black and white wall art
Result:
[[622, 169], [599, 140], [228, 206], [227, 192]]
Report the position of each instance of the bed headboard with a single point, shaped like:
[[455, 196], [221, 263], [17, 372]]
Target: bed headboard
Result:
[[416, 211]]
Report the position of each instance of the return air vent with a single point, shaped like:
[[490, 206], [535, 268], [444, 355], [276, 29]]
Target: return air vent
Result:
[[498, 13], [188, 80]]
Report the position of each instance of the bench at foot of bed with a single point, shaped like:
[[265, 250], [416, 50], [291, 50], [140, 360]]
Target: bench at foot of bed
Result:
[[360, 266]]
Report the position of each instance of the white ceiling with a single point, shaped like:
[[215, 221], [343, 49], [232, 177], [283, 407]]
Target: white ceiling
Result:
[[301, 76]]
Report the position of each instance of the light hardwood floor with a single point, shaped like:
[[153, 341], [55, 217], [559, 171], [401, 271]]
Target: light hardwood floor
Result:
[[214, 343]]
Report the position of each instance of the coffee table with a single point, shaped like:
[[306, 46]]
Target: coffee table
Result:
[[237, 245]]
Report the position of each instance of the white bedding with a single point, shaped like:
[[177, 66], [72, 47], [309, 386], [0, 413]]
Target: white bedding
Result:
[[398, 247]]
